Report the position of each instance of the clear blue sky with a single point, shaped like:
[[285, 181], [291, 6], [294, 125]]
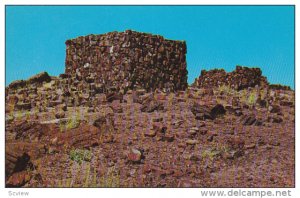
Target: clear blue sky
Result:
[[216, 36]]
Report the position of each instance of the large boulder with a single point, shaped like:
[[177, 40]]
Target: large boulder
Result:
[[203, 112], [84, 136], [217, 110], [33, 131]]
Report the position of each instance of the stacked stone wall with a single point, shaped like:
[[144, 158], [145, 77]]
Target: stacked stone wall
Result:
[[119, 61]]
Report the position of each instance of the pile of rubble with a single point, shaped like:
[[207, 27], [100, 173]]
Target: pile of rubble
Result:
[[240, 78]]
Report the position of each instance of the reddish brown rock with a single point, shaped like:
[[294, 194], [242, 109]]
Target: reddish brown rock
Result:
[[60, 114], [286, 103], [236, 142], [168, 137], [159, 127], [84, 136], [18, 179], [150, 133], [192, 142], [117, 107], [19, 155], [134, 155], [274, 109], [33, 131], [251, 120], [275, 119]]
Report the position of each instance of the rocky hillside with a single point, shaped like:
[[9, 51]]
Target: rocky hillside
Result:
[[224, 131]]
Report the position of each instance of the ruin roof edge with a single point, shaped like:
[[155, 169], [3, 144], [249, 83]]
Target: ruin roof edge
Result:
[[128, 31]]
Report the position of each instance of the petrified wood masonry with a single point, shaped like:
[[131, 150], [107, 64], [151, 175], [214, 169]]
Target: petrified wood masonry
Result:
[[118, 61], [240, 78]]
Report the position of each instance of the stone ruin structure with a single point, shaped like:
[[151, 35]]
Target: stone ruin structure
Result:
[[103, 68], [240, 78], [100, 68], [119, 61]]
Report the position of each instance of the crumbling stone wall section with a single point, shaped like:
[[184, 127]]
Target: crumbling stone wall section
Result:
[[118, 61], [240, 78], [279, 87]]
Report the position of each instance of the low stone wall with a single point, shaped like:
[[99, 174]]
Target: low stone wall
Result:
[[240, 78]]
